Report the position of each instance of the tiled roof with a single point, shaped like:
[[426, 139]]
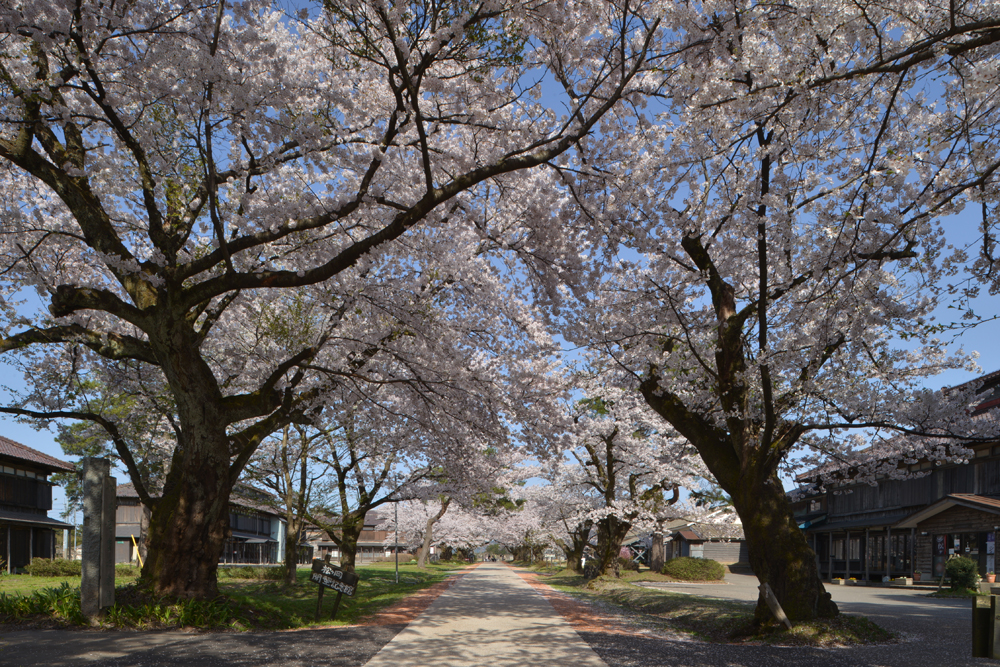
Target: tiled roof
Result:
[[982, 381], [18, 451], [126, 491], [718, 531]]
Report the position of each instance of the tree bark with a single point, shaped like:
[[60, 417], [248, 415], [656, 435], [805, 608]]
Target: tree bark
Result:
[[293, 533], [611, 532], [187, 531], [778, 551], [350, 530], [657, 552], [780, 554], [189, 523], [425, 547], [579, 540]]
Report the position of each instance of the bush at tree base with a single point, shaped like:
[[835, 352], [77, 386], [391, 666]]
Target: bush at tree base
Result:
[[694, 569], [963, 572]]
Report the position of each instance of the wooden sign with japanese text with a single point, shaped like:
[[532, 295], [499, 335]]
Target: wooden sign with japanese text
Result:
[[333, 577]]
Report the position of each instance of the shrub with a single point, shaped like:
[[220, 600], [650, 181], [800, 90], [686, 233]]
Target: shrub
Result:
[[126, 570], [58, 567], [694, 569], [963, 572], [252, 572]]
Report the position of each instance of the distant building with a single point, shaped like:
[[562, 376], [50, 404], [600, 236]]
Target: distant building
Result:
[[256, 530], [722, 542], [26, 531], [371, 542]]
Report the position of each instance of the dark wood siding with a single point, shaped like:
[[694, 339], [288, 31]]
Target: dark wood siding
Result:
[[25, 492], [128, 514], [988, 478]]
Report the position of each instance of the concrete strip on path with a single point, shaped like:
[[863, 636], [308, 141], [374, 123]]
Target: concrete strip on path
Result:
[[490, 617]]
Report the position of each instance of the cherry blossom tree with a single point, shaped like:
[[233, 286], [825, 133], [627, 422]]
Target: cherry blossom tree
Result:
[[169, 168], [766, 241], [567, 507], [437, 523], [627, 458]]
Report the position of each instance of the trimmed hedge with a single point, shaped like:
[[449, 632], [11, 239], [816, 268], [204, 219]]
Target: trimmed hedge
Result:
[[59, 567], [963, 572], [694, 569], [251, 572]]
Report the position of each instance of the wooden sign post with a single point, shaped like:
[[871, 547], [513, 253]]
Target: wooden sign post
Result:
[[330, 576]]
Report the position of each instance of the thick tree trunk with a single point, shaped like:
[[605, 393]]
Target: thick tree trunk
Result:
[[293, 533], [780, 554], [187, 531], [657, 552], [425, 547], [190, 522], [574, 550], [350, 530], [611, 532]]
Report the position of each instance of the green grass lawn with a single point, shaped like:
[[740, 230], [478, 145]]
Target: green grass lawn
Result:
[[376, 590], [25, 584], [245, 603]]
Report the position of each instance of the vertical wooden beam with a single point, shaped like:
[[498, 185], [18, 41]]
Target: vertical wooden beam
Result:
[[847, 554], [888, 551], [864, 552], [913, 550], [829, 554]]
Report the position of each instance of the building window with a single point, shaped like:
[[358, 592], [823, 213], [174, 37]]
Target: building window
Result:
[[855, 548]]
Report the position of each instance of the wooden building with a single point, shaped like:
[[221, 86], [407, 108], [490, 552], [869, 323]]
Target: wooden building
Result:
[[903, 526], [722, 542], [256, 530], [371, 542], [26, 531]]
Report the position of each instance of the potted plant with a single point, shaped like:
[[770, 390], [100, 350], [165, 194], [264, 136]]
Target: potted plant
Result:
[[916, 575], [991, 576]]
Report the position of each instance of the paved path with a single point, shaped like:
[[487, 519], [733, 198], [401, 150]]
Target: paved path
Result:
[[490, 617], [935, 632], [905, 610]]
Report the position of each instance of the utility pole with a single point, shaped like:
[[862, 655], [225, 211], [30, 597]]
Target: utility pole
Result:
[[395, 546]]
